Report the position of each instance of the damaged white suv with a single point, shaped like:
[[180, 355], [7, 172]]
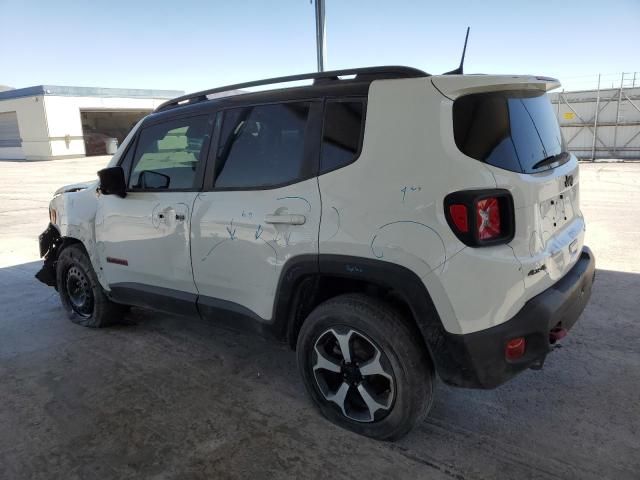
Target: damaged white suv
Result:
[[388, 224]]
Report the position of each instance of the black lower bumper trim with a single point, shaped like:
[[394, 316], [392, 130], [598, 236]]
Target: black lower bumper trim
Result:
[[480, 358]]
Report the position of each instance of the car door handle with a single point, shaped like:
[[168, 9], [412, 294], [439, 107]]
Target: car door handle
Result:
[[286, 219]]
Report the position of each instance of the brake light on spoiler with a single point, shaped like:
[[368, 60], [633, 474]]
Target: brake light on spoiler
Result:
[[481, 217]]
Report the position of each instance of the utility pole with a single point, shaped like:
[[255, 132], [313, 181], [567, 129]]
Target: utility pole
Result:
[[320, 35]]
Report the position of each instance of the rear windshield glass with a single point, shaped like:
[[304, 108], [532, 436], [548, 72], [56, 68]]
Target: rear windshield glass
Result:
[[514, 130]]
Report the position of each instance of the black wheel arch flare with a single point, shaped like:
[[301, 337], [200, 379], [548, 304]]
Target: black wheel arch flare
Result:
[[448, 355]]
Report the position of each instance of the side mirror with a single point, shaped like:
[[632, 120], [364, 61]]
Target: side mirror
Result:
[[112, 181], [153, 180]]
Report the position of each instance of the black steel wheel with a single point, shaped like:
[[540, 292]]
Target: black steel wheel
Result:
[[81, 294], [79, 291]]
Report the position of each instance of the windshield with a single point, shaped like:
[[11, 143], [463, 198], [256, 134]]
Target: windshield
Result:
[[514, 130]]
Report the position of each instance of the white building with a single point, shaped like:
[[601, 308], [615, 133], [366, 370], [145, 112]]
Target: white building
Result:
[[48, 122]]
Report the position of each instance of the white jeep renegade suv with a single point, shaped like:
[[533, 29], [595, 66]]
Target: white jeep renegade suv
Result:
[[390, 226]]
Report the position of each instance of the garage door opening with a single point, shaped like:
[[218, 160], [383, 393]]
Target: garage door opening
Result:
[[10, 141], [100, 127]]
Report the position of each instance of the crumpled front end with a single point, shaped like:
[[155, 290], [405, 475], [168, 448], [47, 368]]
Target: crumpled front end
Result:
[[50, 242]]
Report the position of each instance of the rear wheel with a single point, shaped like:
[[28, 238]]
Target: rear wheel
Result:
[[364, 368], [80, 291]]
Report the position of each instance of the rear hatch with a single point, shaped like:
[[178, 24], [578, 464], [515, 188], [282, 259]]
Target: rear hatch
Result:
[[508, 123]]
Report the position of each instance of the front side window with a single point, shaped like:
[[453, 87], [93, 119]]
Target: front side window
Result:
[[514, 130], [263, 146], [170, 155], [341, 133]]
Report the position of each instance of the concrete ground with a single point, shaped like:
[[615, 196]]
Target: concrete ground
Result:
[[172, 398]]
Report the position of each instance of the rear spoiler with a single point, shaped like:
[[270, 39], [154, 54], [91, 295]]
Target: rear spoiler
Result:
[[454, 86]]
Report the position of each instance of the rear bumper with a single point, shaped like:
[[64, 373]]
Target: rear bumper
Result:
[[477, 360]]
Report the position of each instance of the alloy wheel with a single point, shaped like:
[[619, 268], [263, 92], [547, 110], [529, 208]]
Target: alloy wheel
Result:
[[352, 372]]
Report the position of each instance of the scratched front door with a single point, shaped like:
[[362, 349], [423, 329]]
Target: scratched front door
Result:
[[239, 245]]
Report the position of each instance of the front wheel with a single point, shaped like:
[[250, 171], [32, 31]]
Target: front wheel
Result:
[[364, 367], [80, 291]]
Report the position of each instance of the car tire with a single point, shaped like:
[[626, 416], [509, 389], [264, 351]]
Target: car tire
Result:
[[381, 398], [80, 291]]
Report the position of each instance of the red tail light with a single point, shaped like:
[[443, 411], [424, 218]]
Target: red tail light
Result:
[[481, 217], [488, 218], [459, 217], [515, 348]]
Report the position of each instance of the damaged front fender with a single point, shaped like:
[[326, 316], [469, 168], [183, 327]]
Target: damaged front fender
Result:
[[50, 242]]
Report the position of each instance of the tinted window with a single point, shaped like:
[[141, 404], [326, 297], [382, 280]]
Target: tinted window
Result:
[[169, 155], [510, 130], [342, 134], [262, 146]]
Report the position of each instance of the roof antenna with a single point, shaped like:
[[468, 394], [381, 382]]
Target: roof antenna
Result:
[[459, 70]]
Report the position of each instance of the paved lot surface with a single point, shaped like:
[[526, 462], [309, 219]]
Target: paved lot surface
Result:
[[169, 398]]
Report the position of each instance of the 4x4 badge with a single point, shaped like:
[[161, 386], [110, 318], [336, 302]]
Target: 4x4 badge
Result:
[[568, 180], [542, 268]]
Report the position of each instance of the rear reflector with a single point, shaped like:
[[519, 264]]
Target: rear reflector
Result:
[[459, 217], [488, 218], [515, 348]]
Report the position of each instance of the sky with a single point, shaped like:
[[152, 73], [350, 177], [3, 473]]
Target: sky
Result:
[[192, 45]]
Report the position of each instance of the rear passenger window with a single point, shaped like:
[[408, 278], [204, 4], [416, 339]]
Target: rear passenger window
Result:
[[263, 146], [342, 134], [169, 155]]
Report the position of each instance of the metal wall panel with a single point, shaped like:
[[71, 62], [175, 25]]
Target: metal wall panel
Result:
[[614, 133]]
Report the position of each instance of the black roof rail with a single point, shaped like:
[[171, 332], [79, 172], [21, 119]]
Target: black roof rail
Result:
[[366, 74]]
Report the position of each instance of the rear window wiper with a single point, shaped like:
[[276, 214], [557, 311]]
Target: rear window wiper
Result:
[[551, 159]]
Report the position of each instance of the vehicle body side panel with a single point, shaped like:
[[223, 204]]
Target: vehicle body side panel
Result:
[[408, 164], [76, 212]]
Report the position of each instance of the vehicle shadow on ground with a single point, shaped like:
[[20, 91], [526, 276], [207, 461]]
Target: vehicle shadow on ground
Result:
[[162, 396], [162, 393]]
